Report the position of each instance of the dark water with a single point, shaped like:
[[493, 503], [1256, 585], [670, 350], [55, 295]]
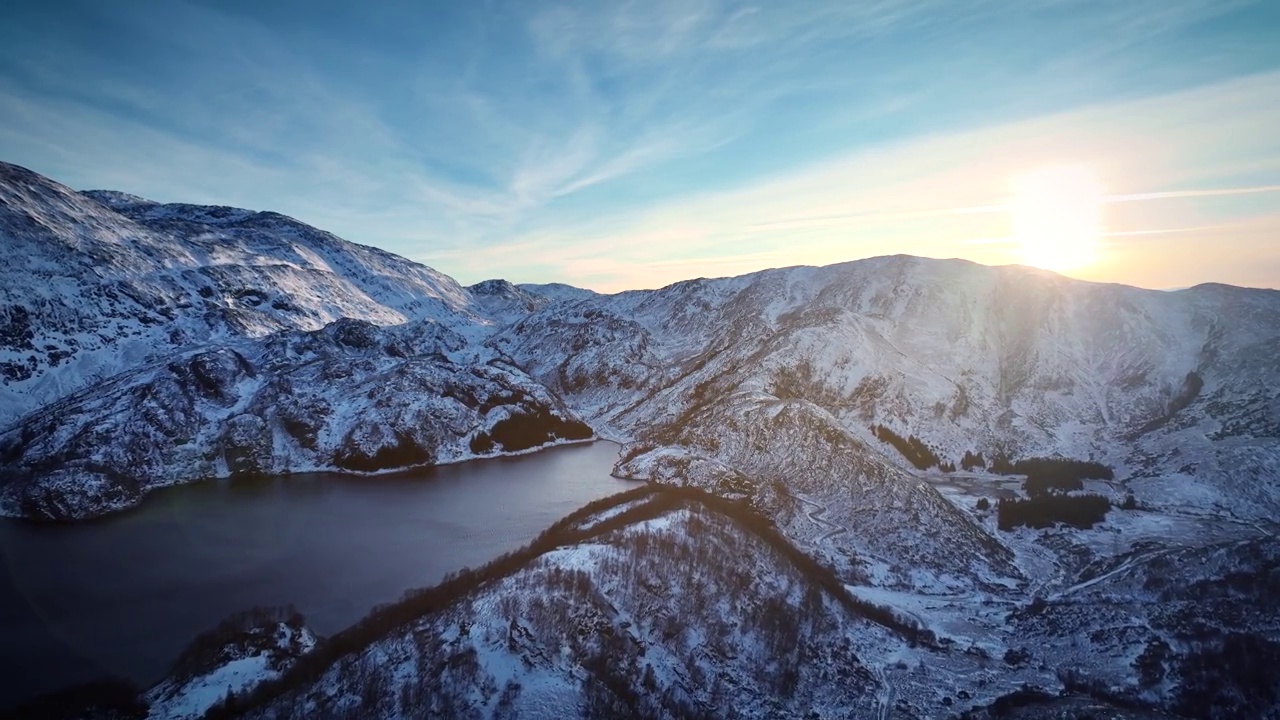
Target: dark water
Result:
[[124, 595]]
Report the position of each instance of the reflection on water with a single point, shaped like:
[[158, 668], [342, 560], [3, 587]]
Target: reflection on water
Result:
[[124, 595]]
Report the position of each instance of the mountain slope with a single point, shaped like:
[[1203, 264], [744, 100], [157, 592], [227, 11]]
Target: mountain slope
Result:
[[145, 344], [603, 616], [1009, 361], [825, 487], [664, 602], [350, 397], [97, 283], [1170, 389]]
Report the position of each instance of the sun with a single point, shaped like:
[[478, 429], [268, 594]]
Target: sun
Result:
[[1056, 214]]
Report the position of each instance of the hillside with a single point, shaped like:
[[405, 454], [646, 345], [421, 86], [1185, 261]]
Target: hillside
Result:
[[98, 283], [627, 608], [878, 419], [1172, 389]]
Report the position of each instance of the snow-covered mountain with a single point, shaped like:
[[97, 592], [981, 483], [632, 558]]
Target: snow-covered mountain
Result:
[[1176, 390], [146, 344], [97, 283], [352, 397], [613, 627], [1169, 388]]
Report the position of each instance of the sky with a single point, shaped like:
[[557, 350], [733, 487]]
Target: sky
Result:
[[617, 145]]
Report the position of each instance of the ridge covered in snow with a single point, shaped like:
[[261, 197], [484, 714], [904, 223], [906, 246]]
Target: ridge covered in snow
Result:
[[98, 283], [144, 344], [628, 608], [1172, 389]]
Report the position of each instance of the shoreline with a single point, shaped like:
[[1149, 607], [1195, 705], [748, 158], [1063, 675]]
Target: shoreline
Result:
[[110, 513]]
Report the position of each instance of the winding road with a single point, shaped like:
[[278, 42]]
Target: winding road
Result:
[[815, 516], [886, 693]]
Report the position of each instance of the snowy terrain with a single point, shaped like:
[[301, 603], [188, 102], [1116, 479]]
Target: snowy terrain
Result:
[[1175, 390], [632, 611], [260, 652], [645, 620], [97, 283], [352, 397], [143, 345]]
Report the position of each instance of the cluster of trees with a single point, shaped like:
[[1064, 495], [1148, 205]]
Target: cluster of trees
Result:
[[1038, 485], [1152, 665], [1079, 683], [1234, 677], [1053, 488], [1190, 390], [798, 382], [406, 452], [973, 460], [242, 628], [1007, 705], [619, 682], [1057, 473], [1081, 511], [525, 430], [911, 447], [1054, 468]]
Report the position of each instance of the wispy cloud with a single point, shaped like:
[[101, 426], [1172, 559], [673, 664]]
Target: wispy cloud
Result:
[[1183, 194], [625, 144], [943, 195]]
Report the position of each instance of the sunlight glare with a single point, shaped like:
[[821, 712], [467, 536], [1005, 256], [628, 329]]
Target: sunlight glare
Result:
[[1056, 214]]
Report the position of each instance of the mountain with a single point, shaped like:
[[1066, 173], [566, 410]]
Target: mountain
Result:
[[937, 477], [559, 292], [628, 609], [98, 283], [143, 345], [1004, 361], [613, 625], [351, 397], [1168, 388]]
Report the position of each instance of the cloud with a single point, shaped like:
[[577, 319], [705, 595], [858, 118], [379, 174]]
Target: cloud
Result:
[[940, 195], [628, 144], [1183, 194]]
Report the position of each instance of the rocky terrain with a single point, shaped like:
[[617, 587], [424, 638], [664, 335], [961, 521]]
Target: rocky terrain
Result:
[[868, 414], [101, 282], [143, 345]]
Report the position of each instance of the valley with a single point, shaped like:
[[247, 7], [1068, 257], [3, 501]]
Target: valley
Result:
[[783, 557]]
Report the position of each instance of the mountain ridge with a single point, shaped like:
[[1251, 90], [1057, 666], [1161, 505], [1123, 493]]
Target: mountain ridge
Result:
[[101, 289], [1000, 360], [784, 389]]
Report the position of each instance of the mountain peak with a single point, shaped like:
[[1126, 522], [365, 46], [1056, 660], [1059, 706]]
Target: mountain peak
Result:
[[117, 200], [98, 282]]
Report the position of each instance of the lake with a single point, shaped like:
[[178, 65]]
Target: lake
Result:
[[125, 594]]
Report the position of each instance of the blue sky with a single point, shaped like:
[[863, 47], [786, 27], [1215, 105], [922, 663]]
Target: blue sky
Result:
[[631, 144]]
